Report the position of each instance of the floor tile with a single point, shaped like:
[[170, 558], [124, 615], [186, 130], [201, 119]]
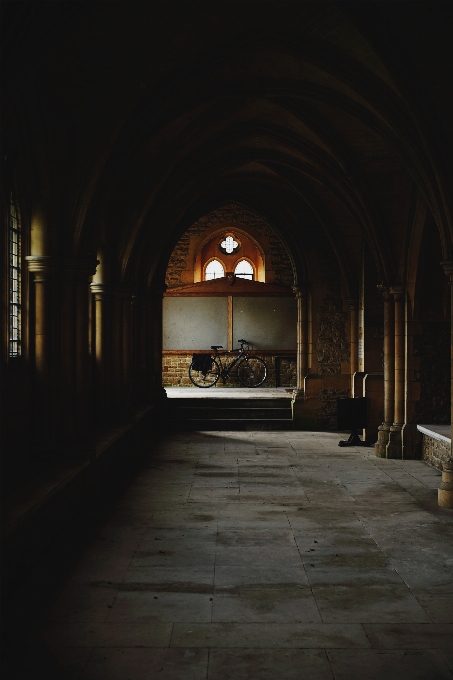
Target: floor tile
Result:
[[366, 604], [269, 635], [157, 605], [108, 634], [373, 664], [268, 664], [410, 635], [144, 664]]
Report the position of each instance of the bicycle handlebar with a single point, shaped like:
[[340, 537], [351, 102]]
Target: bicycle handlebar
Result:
[[243, 342]]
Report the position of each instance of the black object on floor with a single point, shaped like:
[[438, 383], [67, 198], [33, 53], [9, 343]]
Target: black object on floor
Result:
[[352, 415]]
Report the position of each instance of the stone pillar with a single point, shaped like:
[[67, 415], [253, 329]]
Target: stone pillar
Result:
[[354, 326], [448, 269], [389, 374], [101, 346], [121, 352], [61, 355], [302, 354], [155, 311], [395, 445], [75, 395], [140, 350], [302, 336], [145, 351], [44, 269]]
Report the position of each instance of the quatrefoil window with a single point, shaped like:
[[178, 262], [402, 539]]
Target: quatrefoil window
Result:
[[229, 245]]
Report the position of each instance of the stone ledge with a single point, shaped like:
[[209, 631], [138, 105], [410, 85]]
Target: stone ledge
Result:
[[440, 432], [436, 444]]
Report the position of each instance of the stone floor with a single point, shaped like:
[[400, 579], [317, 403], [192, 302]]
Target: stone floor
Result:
[[260, 555]]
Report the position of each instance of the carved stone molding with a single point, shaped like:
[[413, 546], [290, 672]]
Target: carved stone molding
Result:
[[448, 269], [398, 291]]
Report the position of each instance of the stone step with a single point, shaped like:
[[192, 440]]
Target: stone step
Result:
[[233, 424], [225, 402], [231, 413]]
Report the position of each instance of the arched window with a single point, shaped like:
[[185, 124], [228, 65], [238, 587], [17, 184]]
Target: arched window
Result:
[[214, 270], [14, 277], [244, 270]]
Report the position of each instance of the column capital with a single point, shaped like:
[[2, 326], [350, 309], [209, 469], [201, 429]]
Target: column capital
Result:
[[385, 290], [100, 288], [42, 264], [397, 290], [80, 268], [68, 267], [300, 291], [448, 269]]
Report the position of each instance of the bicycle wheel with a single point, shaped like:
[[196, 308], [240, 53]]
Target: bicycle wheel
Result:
[[252, 372], [208, 379]]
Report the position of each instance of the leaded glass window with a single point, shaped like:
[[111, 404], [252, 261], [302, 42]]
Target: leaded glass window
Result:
[[229, 244], [14, 278], [214, 270], [244, 270]]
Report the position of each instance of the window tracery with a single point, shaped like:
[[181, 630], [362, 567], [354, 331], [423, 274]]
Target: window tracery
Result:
[[229, 245]]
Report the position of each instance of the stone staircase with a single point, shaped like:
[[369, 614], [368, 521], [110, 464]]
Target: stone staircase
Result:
[[230, 414]]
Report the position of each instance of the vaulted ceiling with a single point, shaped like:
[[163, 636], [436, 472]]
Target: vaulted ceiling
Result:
[[130, 120]]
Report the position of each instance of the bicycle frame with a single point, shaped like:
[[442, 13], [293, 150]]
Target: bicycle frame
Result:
[[226, 370]]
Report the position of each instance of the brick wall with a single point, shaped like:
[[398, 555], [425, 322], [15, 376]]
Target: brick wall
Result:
[[175, 371], [281, 262]]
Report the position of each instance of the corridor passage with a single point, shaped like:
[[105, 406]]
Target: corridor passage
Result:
[[264, 556]]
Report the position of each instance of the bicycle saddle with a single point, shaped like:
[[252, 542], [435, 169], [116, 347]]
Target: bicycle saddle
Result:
[[216, 346]]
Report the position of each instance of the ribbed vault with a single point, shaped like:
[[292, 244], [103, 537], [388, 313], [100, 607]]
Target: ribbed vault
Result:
[[293, 109]]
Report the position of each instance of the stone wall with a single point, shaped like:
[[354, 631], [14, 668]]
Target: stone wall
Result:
[[435, 451], [433, 348], [281, 262], [332, 346], [175, 372], [327, 414]]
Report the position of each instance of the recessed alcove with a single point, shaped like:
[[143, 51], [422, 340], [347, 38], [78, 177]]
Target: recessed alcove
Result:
[[227, 291]]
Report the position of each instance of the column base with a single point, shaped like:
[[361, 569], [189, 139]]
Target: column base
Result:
[[380, 447], [395, 445]]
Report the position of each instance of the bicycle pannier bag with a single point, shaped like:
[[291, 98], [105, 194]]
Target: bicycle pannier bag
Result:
[[201, 362]]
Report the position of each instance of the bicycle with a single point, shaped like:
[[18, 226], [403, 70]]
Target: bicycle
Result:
[[205, 370]]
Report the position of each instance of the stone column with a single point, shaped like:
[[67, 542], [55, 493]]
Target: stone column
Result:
[[102, 343], [75, 396], [354, 326], [146, 353], [44, 269], [302, 354], [156, 309], [389, 374], [121, 348], [395, 445], [135, 351], [61, 356], [302, 336], [448, 269]]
